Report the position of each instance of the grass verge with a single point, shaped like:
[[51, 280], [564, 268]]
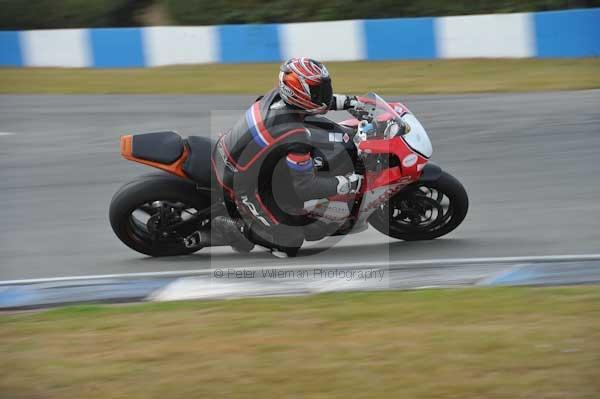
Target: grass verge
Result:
[[471, 343], [406, 77]]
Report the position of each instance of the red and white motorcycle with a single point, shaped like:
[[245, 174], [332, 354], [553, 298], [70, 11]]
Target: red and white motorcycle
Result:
[[403, 195]]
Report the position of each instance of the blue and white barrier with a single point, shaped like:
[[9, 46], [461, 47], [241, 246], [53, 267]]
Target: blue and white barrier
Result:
[[573, 33], [499, 35]]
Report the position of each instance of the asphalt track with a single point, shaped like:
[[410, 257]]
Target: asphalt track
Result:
[[530, 164]]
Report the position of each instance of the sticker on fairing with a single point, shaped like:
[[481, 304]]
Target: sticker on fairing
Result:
[[409, 160], [335, 137]]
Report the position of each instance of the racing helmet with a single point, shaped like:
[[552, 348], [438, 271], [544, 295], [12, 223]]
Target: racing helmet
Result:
[[305, 83]]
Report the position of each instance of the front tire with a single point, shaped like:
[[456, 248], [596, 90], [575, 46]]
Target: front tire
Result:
[[163, 199], [424, 210]]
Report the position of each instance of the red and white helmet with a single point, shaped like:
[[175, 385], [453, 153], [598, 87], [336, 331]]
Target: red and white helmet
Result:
[[306, 84]]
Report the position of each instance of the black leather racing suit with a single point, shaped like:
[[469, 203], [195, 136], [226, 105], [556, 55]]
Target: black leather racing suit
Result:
[[265, 169]]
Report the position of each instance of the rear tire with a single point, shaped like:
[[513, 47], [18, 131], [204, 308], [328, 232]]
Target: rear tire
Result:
[[153, 189], [423, 210]]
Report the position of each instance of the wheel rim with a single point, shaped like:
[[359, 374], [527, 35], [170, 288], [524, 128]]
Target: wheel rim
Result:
[[161, 223], [422, 209]]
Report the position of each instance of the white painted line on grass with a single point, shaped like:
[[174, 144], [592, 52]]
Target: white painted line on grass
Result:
[[390, 265]]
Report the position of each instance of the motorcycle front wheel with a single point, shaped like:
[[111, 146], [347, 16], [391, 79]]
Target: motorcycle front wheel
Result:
[[424, 210]]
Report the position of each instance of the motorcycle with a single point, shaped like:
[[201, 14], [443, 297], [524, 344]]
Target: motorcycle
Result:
[[403, 194]]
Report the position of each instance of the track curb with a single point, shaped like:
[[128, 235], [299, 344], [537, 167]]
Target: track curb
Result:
[[210, 283]]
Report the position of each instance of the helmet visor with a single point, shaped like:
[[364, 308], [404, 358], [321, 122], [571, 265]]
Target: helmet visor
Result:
[[322, 93]]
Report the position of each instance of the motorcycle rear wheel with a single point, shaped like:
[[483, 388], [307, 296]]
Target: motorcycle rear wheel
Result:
[[143, 211], [424, 210]]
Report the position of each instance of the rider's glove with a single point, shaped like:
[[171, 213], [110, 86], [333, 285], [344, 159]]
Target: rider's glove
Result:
[[349, 184], [350, 102]]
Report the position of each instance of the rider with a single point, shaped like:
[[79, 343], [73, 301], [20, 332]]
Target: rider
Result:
[[264, 162]]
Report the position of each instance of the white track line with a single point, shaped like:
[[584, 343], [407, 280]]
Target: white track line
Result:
[[390, 265], [7, 134]]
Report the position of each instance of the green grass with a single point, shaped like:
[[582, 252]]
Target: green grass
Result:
[[412, 77], [471, 343]]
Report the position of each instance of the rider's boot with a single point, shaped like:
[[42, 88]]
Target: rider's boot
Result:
[[231, 233], [281, 241]]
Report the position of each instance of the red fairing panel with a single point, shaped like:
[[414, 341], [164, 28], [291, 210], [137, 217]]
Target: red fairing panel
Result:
[[411, 163]]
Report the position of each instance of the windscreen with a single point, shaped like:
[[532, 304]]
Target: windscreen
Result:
[[386, 120], [388, 123]]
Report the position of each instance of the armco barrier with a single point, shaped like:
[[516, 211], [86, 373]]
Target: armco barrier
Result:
[[573, 33]]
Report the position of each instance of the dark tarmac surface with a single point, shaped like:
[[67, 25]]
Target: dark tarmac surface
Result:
[[530, 163]]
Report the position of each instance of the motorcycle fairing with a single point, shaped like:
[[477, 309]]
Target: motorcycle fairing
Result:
[[410, 162], [404, 164]]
